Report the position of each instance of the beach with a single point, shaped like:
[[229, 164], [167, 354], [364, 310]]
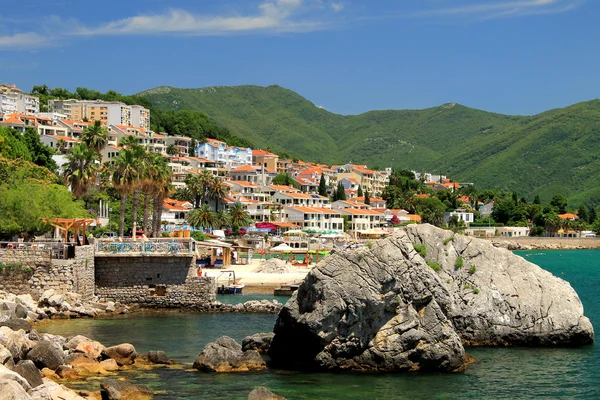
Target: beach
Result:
[[258, 281]]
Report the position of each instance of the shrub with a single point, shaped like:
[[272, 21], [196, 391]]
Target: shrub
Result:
[[369, 245], [459, 263], [421, 249], [467, 286], [165, 234], [448, 240], [199, 236], [473, 269], [27, 270], [434, 266], [476, 291]]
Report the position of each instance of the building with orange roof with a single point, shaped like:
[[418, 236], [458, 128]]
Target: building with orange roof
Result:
[[175, 211], [62, 144], [253, 173], [363, 219], [13, 100], [108, 112], [265, 159], [568, 216]]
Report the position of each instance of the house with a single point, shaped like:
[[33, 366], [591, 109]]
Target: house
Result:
[[317, 218], [461, 214], [402, 215], [219, 152], [62, 144], [255, 174], [512, 231], [376, 203], [181, 143], [265, 159], [175, 211], [568, 216], [363, 219]]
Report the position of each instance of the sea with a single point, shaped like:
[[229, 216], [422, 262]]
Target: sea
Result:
[[499, 373]]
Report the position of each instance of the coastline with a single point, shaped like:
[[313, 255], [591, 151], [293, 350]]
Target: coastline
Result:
[[545, 243]]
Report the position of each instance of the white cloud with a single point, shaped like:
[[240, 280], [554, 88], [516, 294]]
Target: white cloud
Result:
[[504, 8], [337, 7], [270, 16], [23, 40]]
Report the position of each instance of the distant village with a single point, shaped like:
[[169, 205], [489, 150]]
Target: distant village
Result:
[[248, 173]]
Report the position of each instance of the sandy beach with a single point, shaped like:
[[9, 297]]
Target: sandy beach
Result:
[[257, 281]]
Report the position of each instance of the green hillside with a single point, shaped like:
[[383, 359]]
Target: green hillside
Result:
[[553, 152]]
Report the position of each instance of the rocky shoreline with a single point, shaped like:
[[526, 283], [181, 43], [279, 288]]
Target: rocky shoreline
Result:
[[531, 243]]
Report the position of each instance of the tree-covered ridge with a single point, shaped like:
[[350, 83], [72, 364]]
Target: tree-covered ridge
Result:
[[553, 152]]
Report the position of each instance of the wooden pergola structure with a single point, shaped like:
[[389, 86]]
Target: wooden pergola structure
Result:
[[71, 224]]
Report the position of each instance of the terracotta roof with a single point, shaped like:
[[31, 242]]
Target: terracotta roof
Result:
[[285, 225], [414, 217], [244, 183], [65, 138], [360, 211], [247, 168], [568, 216], [314, 210], [259, 152]]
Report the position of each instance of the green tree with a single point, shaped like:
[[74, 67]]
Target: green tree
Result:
[[172, 150], [592, 216], [81, 169], [360, 192], [322, 186], [218, 190], [95, 137], [432, 210], [285, 180], [341, 193], [537, 200], [582, 212], [238, 216], [367, 197], [124, 179], [559, 202], [202, 217]]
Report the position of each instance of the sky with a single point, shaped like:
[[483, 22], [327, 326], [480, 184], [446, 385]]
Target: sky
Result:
[[347, 56]]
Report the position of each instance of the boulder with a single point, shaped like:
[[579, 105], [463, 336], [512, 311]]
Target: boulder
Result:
[[21, 311], [112, 389], [7, 374], [379, 309], [159, 357], [262, 393], [388, 308], [11, 390], [46, 296], [7, 310], [123, 354], [16, 323], [5, 355], [499, 298], [29, 371], [226, 355], [56, 300], [90, 348], [259, 342], [67, 372], [109, 365], [46, 355], [53, 391], [27, 301], [16, 342]]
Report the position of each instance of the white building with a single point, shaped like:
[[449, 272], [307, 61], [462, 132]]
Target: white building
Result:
[[13, 100], [229, 156], [462, 215], [108, 112], [317, 218]]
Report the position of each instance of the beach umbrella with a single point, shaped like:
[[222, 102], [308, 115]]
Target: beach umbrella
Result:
[[282, 247]]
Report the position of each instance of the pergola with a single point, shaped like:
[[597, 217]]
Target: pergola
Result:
[[71, 224]]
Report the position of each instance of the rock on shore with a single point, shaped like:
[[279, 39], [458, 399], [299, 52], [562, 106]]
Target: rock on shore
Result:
[[388, 308], [226, 355]]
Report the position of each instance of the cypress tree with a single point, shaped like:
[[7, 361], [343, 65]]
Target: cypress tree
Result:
[[360, 192], [367, 197], [592, 216], [322, 187], [341, 194]]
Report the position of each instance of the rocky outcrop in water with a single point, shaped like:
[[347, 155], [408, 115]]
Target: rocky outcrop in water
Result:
[[113, 389], [226, 355], [262, 393], [389, 308]]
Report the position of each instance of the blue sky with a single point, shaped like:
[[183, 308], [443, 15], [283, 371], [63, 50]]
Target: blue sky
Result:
[[348, 56]]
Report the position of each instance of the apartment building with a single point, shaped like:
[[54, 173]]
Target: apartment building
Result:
[[317, 218], [229, 156], [265, 159], [13, 100], [108, 112]]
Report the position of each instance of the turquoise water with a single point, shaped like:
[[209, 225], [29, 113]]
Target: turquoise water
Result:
[[508, 373]]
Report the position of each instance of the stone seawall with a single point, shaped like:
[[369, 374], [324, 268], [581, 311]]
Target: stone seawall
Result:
[[153, 281], [33, 271]]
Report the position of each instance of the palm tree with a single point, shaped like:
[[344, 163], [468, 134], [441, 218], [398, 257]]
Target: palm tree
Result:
[[195, 187], [201, 217], [61, 146], [81, 169], [239, 216], [222, 219], [96, 137], [124, 176], [218, 190]]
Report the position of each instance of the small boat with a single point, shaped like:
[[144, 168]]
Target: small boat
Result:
[[232, 286], [230, 289]]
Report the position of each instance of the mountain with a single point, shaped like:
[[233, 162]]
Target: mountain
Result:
[[557, 151]]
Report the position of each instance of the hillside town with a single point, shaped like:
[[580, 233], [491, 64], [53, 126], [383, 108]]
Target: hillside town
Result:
[[288, 194]]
